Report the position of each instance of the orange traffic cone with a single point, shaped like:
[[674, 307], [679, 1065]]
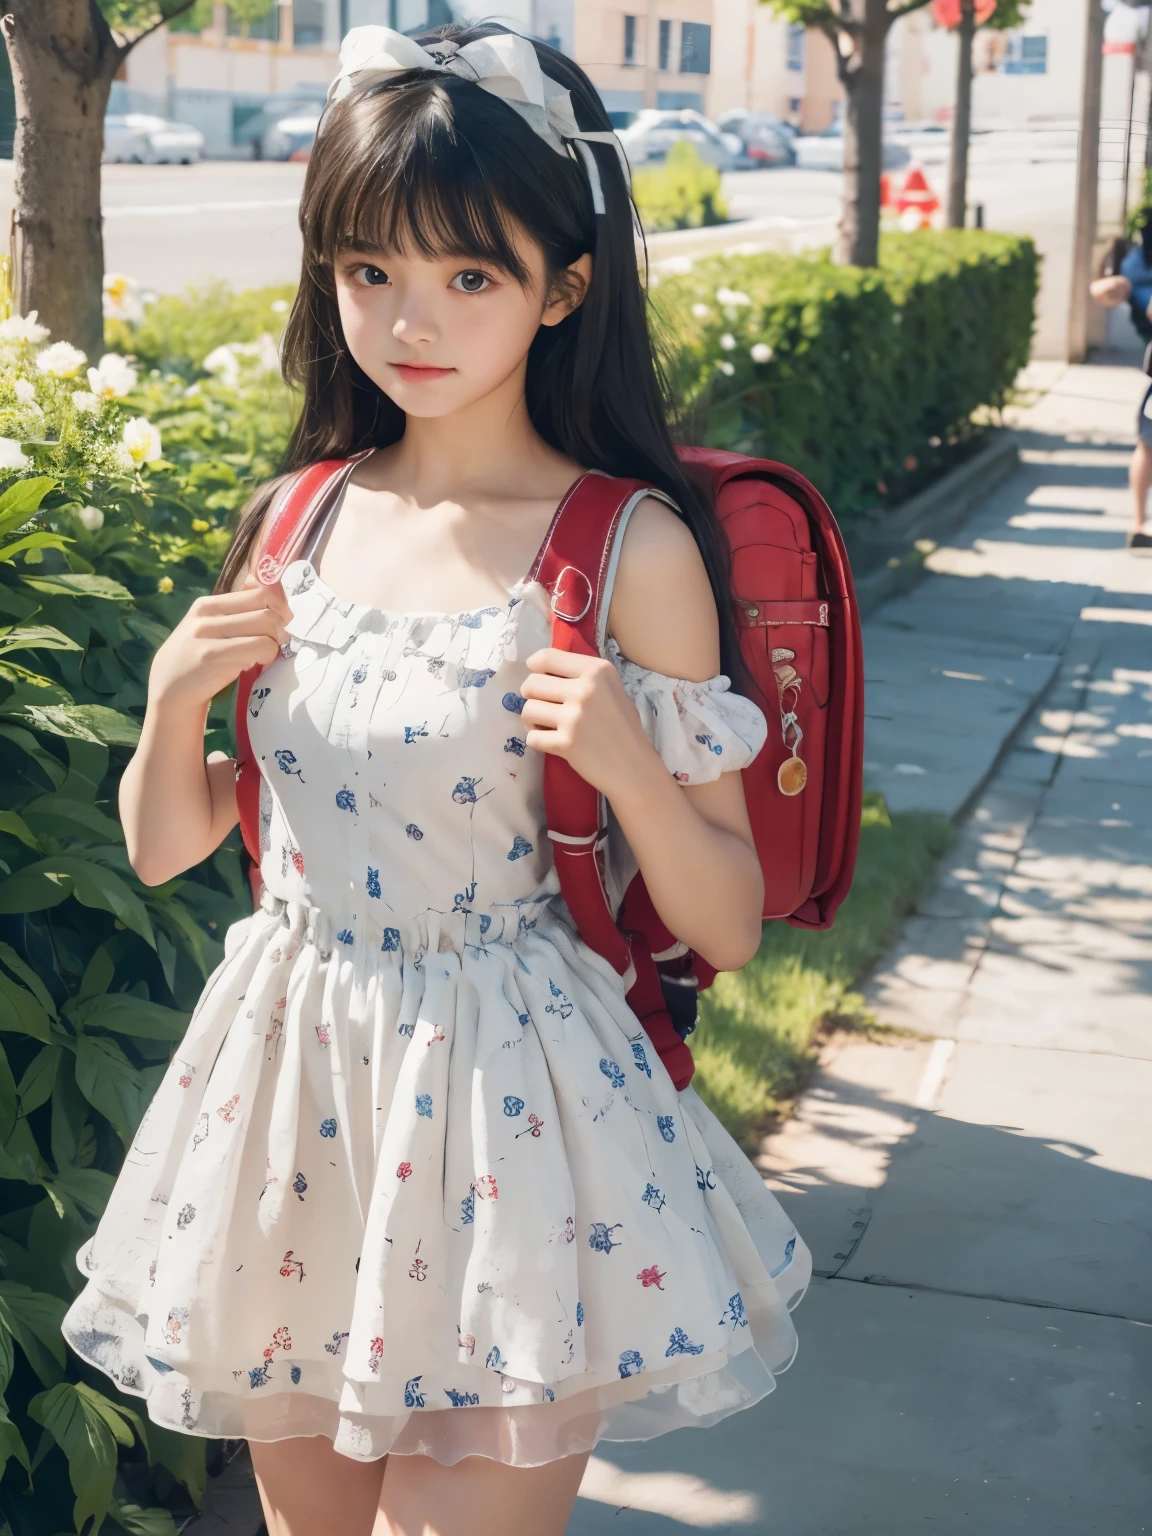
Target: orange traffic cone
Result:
[[917, 197], [885, 190]]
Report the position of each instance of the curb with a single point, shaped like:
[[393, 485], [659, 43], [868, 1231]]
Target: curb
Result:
[[912, 530]]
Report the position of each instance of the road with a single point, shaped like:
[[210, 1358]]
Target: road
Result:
[[169, 226]]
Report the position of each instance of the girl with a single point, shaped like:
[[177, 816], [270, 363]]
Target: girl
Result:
[[414, 1210]]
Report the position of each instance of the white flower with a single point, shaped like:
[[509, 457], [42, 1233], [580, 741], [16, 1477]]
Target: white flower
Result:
[[728, 341], [114, 378], [120, 299], [24, 329], [192, 391], [84, 400], [25, 391], [677, 264], [726, 368], [12, 455], [141, 440], [761, 352], [279, 306], [91, 517], [731, 296], [62, 360], [223, 363], [701, 311]]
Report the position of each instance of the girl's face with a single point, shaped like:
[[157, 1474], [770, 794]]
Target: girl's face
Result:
[[437, 335]]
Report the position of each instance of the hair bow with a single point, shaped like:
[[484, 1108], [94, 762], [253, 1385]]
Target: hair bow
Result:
[[504, 64]]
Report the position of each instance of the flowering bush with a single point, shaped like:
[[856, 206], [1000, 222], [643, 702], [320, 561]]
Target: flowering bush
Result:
[[683, 193]]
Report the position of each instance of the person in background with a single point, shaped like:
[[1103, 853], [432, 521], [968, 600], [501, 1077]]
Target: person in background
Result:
[[1126, 278]]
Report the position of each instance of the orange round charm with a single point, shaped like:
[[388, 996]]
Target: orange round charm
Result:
[[792, 776]]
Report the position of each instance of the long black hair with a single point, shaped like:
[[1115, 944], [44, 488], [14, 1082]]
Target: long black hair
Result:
[[428, 161]]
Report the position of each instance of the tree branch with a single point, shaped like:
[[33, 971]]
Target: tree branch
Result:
[[894, 13], [167, 14]]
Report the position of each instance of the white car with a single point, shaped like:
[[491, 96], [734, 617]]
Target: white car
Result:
[[147, 140], [653, 132], [290, 138], [825, 151]]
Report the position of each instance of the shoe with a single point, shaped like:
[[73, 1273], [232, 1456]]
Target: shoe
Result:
[[1138, 539]]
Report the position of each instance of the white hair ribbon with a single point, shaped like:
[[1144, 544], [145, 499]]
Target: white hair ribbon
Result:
[[504, 64]]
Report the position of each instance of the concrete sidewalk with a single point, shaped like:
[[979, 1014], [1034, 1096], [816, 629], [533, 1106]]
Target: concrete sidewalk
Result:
[[976, 1352]]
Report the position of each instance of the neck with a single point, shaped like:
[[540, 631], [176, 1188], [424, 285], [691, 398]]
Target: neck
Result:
[[488, 447]]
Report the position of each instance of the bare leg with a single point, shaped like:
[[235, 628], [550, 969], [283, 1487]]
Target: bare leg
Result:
[[1140, 479], [309, 1489], [477, 1497]]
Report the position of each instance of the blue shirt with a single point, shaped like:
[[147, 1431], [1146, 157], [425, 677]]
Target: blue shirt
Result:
[[1139, 274]]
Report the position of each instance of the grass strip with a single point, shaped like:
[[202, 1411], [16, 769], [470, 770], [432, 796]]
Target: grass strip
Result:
[[754, 1043]]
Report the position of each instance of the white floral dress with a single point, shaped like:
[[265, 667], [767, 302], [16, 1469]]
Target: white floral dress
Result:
[[415, 1179]]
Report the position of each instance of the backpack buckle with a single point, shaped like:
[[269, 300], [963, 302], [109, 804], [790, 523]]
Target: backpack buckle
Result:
[[569, 593]]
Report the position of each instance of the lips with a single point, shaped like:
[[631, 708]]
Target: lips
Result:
[[418, 371]]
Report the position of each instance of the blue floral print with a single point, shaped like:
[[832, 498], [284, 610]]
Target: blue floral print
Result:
[[424, 1105], [372, 884], [706, 741], [680, 1344], [465, 791], [579, 1314], [704, 1178], [562, 1005], [513, 1105], [468, 1208], [256, 701], [391, 939], [495, 1361], [413, 831], [295, 1373], [734, 1312], [461, 1399], [300, 1184], [653, 1197], [600, 1237], [328, 1126], [667, 1124], [789, 1250], [520, 846], [640, 1058], [345, 936], [473, 677], [612, 1071], [516, 745], [514, 702], [411, 732], [286, 762], [413, 1397], [631, 1363], [346, 800]]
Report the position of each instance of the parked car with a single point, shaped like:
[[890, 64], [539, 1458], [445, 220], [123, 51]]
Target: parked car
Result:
[[291, 137], [825, 151], [147, 140], [653, 132], [764, 140]]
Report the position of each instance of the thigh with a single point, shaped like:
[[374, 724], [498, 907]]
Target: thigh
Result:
[[477, 1497], [309, 1489]]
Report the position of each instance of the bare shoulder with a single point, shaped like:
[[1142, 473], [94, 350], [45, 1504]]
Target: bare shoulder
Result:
[[663, 614]]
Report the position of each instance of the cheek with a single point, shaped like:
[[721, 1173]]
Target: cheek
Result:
[[364, 322]]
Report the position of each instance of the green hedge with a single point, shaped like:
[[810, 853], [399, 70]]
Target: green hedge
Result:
[[864, 379], [683, 193]]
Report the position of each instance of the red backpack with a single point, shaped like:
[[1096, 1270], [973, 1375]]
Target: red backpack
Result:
[[799, 630]]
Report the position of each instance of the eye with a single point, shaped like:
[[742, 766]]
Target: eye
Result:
[[470, 281], [370, 276]]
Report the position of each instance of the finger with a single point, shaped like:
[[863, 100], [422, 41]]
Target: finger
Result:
[[542, 713], [237, 656], [543, 685], [246, 599], [239, 626], [561, 663], [548, 742]]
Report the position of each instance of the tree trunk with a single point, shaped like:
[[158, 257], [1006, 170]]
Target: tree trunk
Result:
[[862, 76], [961, 120], [63, 61]]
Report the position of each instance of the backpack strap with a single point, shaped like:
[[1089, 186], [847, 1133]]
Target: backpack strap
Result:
[[292, 515], [577, 566]]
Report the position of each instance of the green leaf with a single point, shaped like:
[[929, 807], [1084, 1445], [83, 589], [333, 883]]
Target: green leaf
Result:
[[80, 1421], [53, 769], [21, 501], [11, 1443], [33, 1319], [71, 584], [143, 1522], [33, 637], [110, 1083], [16, 826], [183, 1455], [98, 974], [124, 1014], [50, 881], [35, 541], [28, 976], [81, 1193], [9, 1108], [85, 722], [35, 1087], [68, 818], [22, 1011], [87, 765]]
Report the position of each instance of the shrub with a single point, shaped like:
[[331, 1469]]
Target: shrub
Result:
[[683, 193], [858, 377]]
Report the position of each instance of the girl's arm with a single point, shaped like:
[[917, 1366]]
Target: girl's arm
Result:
[[694, 844], [175, 806]]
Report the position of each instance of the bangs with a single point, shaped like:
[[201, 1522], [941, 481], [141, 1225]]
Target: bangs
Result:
[[397, 175]]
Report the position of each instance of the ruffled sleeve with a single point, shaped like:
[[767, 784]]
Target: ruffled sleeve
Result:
[[700, 730]]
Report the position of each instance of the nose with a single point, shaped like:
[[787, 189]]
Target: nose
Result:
[[414, 323]]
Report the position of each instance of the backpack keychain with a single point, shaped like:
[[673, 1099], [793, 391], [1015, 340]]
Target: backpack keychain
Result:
[[792, 775]]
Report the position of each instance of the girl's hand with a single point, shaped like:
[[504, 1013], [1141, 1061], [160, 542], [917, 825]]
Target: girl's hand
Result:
[[217, 639], [1110, 291], [578, 708]]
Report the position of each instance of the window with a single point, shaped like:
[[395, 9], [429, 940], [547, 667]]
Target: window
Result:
[[439, 13], [307, 23], [630, 40], [796, 41], [695, 48], [1026, 55], [266, 26], [665, 45]]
